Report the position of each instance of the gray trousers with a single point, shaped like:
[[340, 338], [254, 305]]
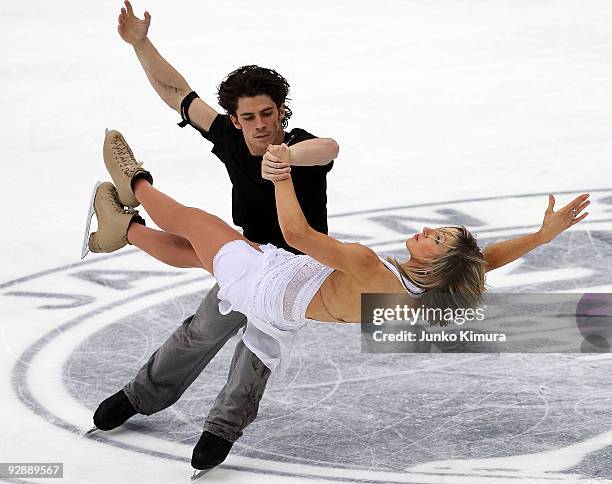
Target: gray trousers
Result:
[[183, 356]]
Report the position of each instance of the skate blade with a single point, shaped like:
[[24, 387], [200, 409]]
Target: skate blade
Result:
[[90, 213], [197, 474], [92, 430]]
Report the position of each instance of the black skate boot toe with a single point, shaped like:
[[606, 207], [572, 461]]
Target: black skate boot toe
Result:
[[113, 411], [210, 451]]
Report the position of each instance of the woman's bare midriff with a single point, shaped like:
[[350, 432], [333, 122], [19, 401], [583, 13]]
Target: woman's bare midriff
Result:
[[339, 298]]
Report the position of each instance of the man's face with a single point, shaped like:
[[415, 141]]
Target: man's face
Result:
[[260, 122]]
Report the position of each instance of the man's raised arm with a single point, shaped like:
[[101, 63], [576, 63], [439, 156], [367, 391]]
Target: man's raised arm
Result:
[[502, 253], [165, 79]]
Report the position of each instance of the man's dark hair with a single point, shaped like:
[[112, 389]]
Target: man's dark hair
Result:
[[249, 81]]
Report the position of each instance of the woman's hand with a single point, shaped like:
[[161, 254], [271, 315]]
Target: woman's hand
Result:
[[275, 165], [556, 222], [131, 28]]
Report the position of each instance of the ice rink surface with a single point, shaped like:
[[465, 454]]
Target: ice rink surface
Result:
[[445, 111]]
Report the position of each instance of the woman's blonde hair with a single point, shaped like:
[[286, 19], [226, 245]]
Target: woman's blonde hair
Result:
[[453, 280]]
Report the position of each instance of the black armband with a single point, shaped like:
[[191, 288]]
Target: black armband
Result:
[[185, 103]]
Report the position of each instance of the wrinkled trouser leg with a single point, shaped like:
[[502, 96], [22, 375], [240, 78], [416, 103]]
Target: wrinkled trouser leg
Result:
[[237, 404], [183, 356]]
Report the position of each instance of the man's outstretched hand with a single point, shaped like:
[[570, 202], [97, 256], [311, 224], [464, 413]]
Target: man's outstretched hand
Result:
[[131, 28], [556, 222]]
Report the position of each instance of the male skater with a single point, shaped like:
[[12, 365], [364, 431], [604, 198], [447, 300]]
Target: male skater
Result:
[[254, 99]]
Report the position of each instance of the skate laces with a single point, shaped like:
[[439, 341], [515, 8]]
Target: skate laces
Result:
[[125, 157], [116, 204]]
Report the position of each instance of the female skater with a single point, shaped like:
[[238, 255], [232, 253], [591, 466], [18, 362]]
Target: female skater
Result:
[[277, 290]]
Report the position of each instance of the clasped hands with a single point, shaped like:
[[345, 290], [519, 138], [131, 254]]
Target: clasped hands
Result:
[[276, 163]]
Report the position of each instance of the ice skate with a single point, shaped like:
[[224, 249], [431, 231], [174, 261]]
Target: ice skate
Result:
[[210, 451], [113, 412], [122, 167], [113, 221]]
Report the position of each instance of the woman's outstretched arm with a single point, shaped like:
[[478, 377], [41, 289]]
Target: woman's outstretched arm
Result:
[[355, 259], [502, 253]]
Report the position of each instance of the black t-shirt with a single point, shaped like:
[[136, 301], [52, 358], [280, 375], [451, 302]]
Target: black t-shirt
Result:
[[253, 201]]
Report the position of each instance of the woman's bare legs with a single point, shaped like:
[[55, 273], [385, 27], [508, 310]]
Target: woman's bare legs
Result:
[[168, 248], [205, 232]]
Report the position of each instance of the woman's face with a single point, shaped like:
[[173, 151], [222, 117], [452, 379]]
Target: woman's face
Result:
[[431, 243]]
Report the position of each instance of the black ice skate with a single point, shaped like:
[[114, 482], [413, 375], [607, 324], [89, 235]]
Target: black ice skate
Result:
[[209, 452], [113, 412]]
